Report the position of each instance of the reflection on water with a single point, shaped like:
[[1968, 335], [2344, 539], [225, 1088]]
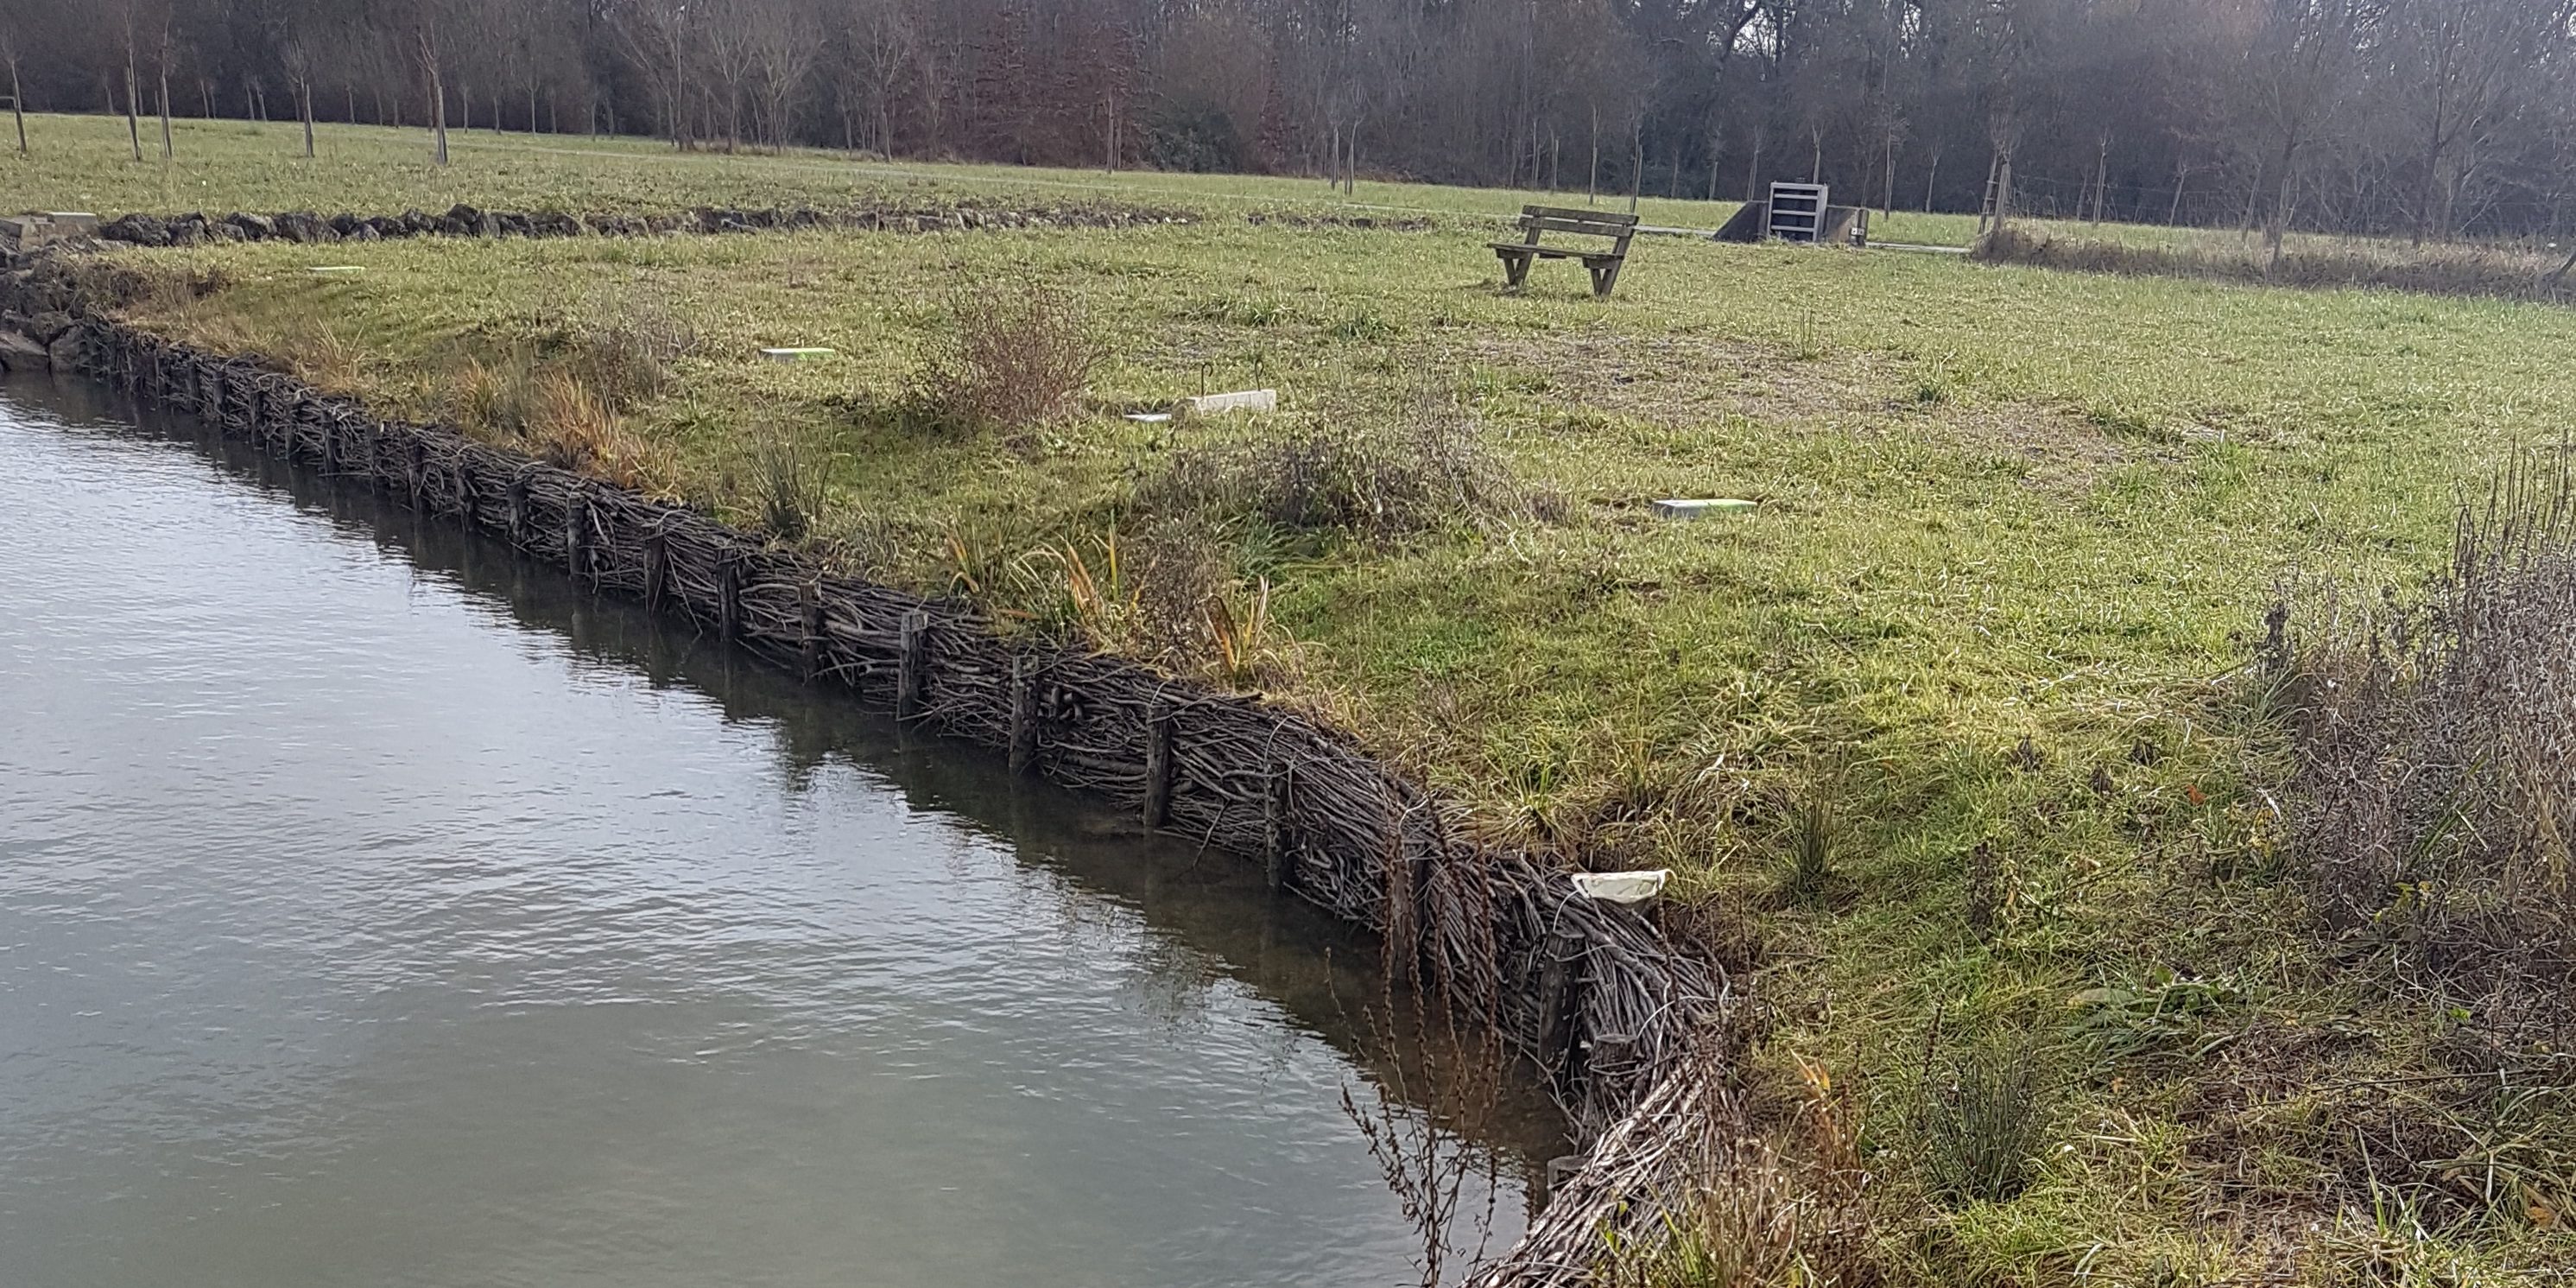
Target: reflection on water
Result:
[[376, 909]]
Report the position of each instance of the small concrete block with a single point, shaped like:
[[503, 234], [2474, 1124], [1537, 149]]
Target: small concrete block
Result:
[[74, 223], [1149, 417], [807, 354], [1247, 400], [337, 270], [1700, 509]]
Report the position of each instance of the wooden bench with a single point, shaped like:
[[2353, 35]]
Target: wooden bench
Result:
[[1603, 264]]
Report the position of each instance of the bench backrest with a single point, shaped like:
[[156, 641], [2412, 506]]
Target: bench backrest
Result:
[[1591, 223]]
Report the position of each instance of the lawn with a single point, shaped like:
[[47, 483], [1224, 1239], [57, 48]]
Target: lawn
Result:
[[1982, 634], [86, 163]]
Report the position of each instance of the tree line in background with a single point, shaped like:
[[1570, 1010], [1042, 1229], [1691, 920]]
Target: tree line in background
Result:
[[2433, 118]]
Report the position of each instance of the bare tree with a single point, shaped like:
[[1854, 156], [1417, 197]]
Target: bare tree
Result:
[[658, 35], [162, 49], [881, 43], [296, 57], [783, 40], [2293, 77], [731, 59], [427, 40], [17, 93]]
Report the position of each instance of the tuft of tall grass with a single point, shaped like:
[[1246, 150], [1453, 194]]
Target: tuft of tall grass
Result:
[[1356, 474], [1812, 829], [1014, 358], [2433, 771], [1985, 1121], [787, 486]]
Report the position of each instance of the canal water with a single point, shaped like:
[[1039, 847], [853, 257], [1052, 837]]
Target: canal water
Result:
[[377, 909]]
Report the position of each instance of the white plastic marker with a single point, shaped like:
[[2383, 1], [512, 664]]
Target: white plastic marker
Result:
[[332, 270], [798, 355], [1621, 887], [1700, 509]]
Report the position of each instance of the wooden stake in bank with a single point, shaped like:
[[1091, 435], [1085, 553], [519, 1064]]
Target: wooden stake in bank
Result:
[[1556, 984], [1024, 712], [657, 565], [1274, 828], [517, 497], [912, 664], [729, 597], [1158, 764], [809, 618], [576, 533]]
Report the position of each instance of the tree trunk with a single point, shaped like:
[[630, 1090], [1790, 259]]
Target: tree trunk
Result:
[[438, 116], [1887, 189], [2101, 178], [1931, 180], [1592, 190], [2278, 226], [133, 109], [1986, 202], [2182, 175], [165, 113], [18, 106], [304, 101], [1636, 161], [2003, 190]]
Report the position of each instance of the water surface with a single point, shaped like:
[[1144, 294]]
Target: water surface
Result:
[[377, 909]]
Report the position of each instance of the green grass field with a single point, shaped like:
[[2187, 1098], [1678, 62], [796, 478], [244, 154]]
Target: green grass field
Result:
[[2014, 531], [86, 163]]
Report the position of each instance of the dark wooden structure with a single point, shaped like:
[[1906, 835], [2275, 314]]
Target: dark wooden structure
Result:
[[1844, 225], [1602, 264]]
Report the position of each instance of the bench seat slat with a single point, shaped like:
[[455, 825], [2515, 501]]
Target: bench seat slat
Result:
[[1588, 227], [1554, 252], [1577, 212]]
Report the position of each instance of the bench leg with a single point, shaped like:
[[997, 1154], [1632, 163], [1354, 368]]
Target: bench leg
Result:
[[1515, 268], [1604, 276]]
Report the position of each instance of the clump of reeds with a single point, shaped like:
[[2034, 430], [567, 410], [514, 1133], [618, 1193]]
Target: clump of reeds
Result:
[[2433, 768]]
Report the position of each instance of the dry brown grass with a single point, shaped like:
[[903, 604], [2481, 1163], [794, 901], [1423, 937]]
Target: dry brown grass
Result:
[[1014, 358], [1784, 1208], [1354, 472], [2464, 270], [574, 428]]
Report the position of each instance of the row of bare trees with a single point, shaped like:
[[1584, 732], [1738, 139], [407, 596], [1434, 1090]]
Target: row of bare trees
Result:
[[2428, 117]]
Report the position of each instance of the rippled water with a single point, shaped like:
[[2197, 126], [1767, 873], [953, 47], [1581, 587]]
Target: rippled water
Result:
[[376, 910]]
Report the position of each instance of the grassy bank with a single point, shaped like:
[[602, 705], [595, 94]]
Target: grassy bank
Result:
[[1949, 732]]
